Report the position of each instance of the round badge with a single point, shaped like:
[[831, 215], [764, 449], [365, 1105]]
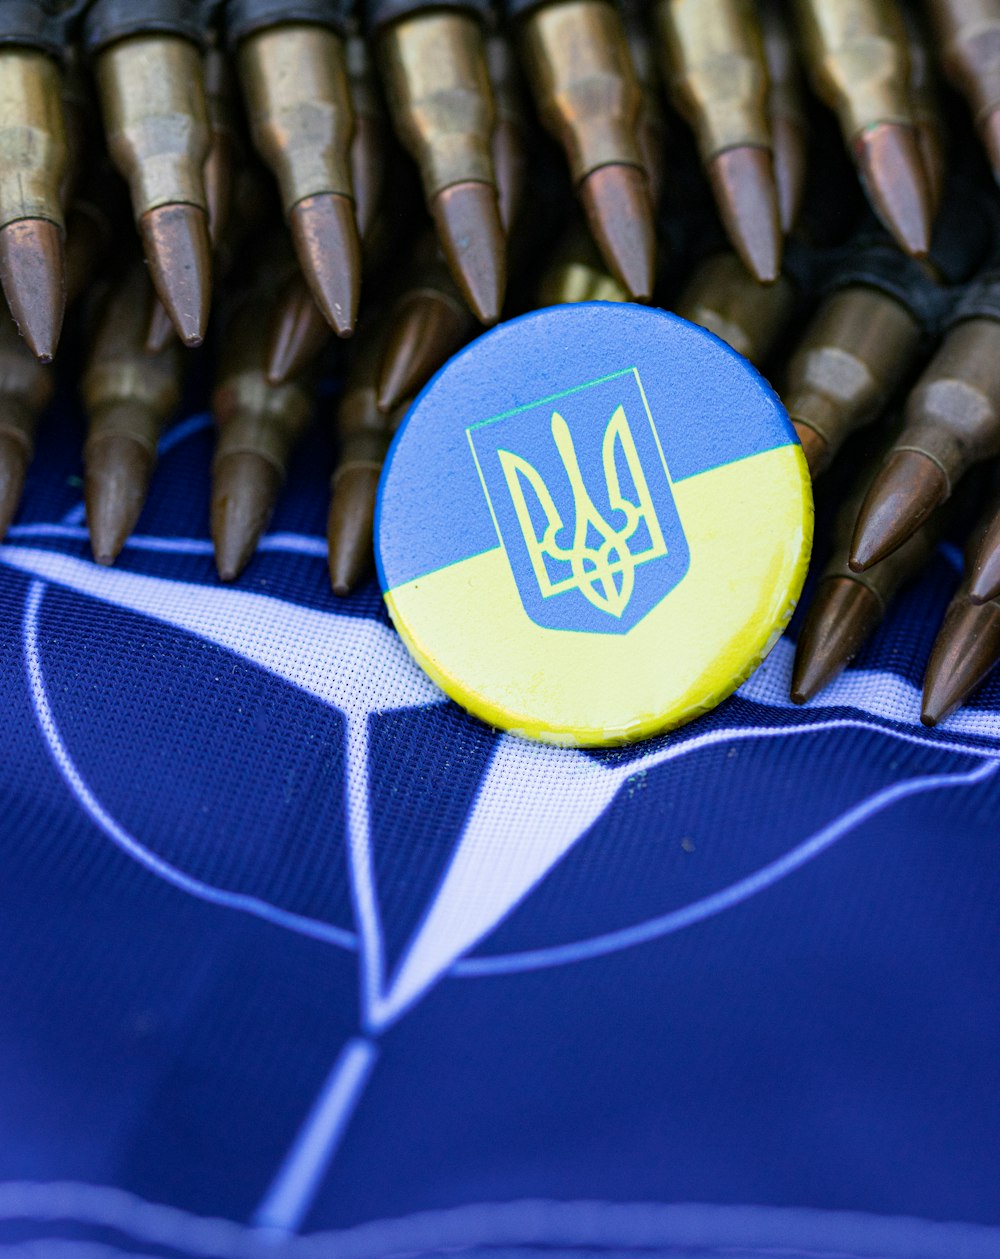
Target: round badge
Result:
[[593, 524]]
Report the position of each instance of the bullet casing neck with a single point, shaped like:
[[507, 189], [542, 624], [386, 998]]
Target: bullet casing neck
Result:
[[299, 108], [34, 155], [584, 84]]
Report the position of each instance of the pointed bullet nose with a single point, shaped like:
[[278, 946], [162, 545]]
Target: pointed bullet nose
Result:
[[366, 171], [842, 615], [33, 277], [743, 183], [425, 333], [814, 447], [349, 527], [467, 218], [117, 473], [160, 331], [508, 162], [966, 649], [935, 166], [245, 488], [176, 244], [14, 456], [892, 171], [325, 233], [903, 495], [984, 583], [298, 334], [619, 212], [789, 148], [218, 176]]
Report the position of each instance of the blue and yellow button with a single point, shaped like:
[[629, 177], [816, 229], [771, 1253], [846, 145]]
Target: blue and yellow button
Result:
[[593, 524]]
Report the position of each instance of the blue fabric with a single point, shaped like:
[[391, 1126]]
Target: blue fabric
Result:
[[297, 958]]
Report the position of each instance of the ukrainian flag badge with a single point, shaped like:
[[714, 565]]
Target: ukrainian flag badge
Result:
[[593, 524]]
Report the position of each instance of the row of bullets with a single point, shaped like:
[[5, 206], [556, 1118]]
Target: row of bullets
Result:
[[266, 141], [181, 86]]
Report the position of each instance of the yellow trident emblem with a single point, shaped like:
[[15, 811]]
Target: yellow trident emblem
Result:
[[602, 566]]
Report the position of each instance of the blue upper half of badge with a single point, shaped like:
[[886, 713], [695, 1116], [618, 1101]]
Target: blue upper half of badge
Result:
[[557, 436]]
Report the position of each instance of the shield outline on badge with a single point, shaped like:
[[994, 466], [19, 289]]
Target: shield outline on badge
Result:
[[581, 498]]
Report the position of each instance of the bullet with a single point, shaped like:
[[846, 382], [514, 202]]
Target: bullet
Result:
[[984, 555], [718, 76], [509, 127], [857, 57], [580, 71], [293, 71], [34, 167], [368, 147], [964, 653], [252, 210], [437, 85], [26, 388], [651, 125], [967, 36], [968, 644], [786, 114], [259, 425], [148, 63], [858, 349], [427, 323], [725, 298], [364, 432], [160, 330], [879, 311], [952, 422], [847, 607], [299, 333], [926, 106], [128, 395], [578, 273]]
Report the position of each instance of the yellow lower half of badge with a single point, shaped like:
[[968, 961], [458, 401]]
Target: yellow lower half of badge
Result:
[[749, 528]]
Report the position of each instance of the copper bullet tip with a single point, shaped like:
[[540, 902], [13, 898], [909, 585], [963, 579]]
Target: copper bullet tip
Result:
[[842, 615], [892, 171], [619, 211], [424, 334], [984, 583], [298, 334], [176, 244], [788, 149], [366, 171], [935, 166], [14, 456], [245, 487], [325, 234], [814, 447], [989, 129], [32, 271], [218, 178], [508, 162], [117, 473], [467, 218], [966, 649], [349, 527], [159, 331], [903, 495], [743, 184]]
